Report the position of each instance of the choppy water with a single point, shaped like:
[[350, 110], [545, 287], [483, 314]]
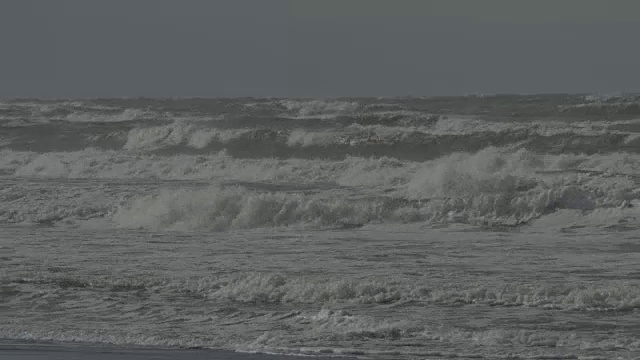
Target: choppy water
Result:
[[468, 227]]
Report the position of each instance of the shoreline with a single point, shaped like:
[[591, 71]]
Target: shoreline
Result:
[[36, 350]]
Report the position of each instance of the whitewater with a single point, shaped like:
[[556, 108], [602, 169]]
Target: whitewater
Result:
[[497, 227]]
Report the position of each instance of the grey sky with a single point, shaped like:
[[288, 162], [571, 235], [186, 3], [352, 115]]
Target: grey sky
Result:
[[87, 48]]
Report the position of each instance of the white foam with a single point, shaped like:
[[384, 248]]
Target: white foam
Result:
[[604, 101], [224, 209], [326, 291], [466, 125], [275, 288], [179, 132], [124, 115], [151, 138], [491, 186], [356, 135], [201, 139], [487, 171], [307, 109], [97, 164], [379, 292], [508, 187], [379, 172], [305, 138]]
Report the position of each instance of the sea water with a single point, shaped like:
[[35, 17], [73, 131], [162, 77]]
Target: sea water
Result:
[[462, 227]]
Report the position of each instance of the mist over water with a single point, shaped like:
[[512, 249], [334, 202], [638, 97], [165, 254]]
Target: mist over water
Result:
[[458, 227]]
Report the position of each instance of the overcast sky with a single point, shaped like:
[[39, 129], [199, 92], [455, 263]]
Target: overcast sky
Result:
[[89, 48]]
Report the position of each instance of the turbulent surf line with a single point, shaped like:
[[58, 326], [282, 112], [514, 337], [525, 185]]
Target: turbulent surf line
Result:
[[493, 186], [485, 226]]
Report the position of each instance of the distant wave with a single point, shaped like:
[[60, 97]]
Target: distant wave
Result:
[[416, 143], [395, 159], [590, 107], [604, 105], [407, 129], [71, 111], [334, 139]]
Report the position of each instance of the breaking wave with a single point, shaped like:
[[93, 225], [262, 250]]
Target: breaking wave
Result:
[[326, 290], [493, 187], [415, 130], [224, 209], [417, 143], [275, 288], [604, 105]]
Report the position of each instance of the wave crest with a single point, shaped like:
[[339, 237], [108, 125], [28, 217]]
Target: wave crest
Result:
[[224, 209]]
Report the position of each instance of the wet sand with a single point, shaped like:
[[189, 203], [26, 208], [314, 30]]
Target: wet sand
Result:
[[71, 351]]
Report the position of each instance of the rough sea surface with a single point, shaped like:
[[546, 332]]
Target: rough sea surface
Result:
[[497, 227]]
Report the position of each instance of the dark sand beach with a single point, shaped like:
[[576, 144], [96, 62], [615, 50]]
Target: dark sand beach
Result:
[[36, 351]]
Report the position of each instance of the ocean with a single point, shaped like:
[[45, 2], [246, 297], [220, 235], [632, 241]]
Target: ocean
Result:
[[474, 227]]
